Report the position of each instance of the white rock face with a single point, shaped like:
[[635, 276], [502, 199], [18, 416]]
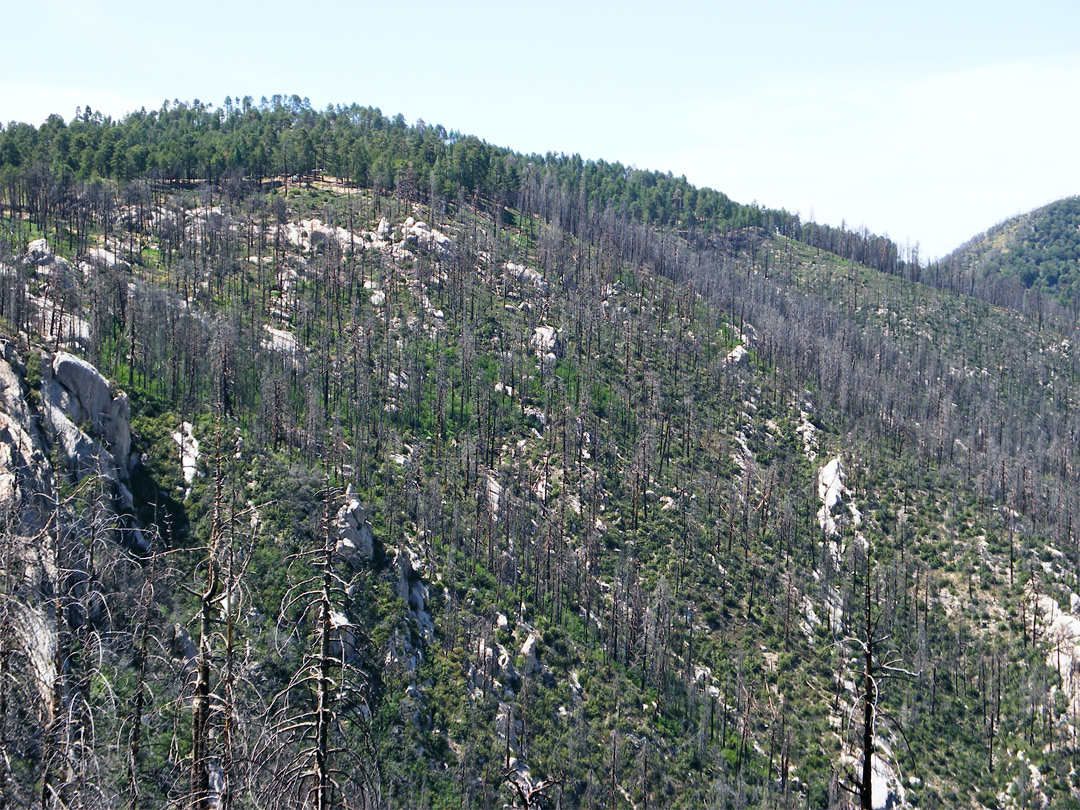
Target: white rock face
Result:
[[38, 250], [537, 414], [58, 324], [279, 340], [808, 433], [1061, 634], [356, 540], [737, 356], [41, 256], [497, 665], [55, 297], [810, 619], [103, 256], [308, 234], [24, 469], [545, 341], [27, 495], [77, 395], [886, 789], [189, 451], [12, 439], [528, 275], [494, 494], [80, 454], [833, 493], [420, 233], [87, 390], [37, 636], [35, 568], [528, 651], [407, 645], [412, 590], [343, 637]]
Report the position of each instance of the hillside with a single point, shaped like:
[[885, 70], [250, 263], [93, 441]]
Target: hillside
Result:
[[335, 493], [1039, 249]]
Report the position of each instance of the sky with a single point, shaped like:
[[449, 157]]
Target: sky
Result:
[[926, 121]]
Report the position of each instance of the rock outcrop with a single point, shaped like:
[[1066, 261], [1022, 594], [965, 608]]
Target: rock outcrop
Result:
[[832, 493], [41, 257], [44, 566], [308, 234], [527, 275], [422, 234], [356, 540], [738, 356], [87, 419], [412, 590], [55, 296], [529, 652], [545, 341], [189, 451], [25, 474]]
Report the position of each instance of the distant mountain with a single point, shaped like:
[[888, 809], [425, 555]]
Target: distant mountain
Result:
[[1040, 249]]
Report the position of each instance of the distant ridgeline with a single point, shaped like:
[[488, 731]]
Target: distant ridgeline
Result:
[[285, 137], [1039, 249]]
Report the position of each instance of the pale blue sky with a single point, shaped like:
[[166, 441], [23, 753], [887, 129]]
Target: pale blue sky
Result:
[[929, 121]]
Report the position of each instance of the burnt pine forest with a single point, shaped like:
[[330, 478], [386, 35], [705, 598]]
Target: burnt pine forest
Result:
[[347, 463]]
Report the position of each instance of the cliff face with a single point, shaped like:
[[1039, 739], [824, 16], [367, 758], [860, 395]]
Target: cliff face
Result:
[[87, 421], [25, 473], [26, 491], [57, 402], [46, 558]]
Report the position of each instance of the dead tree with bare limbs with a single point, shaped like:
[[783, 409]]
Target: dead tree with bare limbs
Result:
[[321, 746], [879, 664]]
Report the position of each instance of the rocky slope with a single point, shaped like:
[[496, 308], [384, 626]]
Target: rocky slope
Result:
[[491, 511]]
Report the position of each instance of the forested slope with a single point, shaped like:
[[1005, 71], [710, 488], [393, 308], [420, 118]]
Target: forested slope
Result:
[[439, 495], [1039, 249], [192, 143]]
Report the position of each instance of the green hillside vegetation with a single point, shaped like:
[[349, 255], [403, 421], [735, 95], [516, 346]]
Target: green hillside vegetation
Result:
[[581, 413], [183, 144], [1040, 250]]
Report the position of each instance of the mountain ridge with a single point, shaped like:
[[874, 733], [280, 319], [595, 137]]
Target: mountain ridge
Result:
[[457, 501], [1040, 249]]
